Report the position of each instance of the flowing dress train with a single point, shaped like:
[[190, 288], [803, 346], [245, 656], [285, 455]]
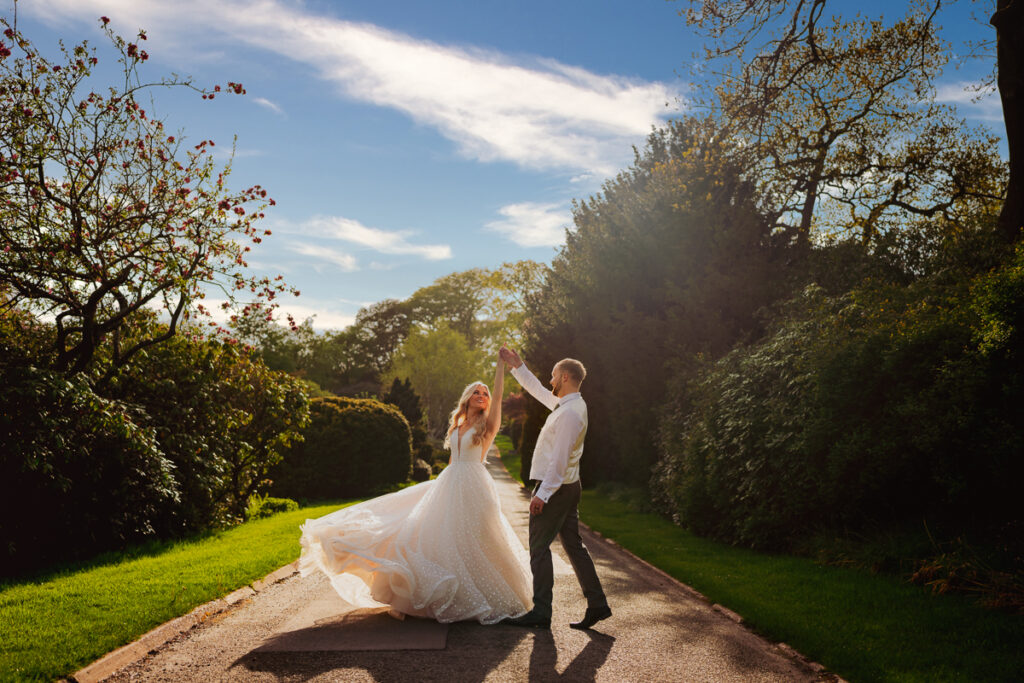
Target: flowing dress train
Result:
[[440, 549]]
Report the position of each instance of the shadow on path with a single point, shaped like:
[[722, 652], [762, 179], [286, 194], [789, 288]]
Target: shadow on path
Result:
[[583, 667], [480, 650]]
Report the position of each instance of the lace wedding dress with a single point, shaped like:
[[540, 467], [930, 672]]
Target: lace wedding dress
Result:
[[440, 549]]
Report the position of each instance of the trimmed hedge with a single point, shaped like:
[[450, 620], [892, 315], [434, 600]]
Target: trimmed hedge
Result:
[[352, 447]]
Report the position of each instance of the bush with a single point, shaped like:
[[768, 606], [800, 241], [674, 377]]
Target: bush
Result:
[[882, 407], [176, 442], [79, 474], [427, 452], [265, 506], [421, 470], [221, 417], [352, 447]]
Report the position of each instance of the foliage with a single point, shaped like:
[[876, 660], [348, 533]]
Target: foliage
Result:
[[421, 470], [220, 416], [485, 306], [79, 473], [351, 447], [438, 363], [883, 405], [402, 396], [263, 506], [175, 442], [843, 140], [683, 218], [104, 214], [825, 99]]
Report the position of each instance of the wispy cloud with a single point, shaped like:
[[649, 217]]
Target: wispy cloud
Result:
[[383, 241], [346, 262], [983, 105], [267, 104], [324, 313], [537, 113], [530, 224]]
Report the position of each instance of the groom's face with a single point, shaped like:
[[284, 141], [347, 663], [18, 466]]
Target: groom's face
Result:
[[556, 380]]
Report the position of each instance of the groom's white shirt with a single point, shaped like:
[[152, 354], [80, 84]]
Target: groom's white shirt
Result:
[[556, 457]]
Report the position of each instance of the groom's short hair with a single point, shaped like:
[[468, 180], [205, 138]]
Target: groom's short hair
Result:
[[573, 368]]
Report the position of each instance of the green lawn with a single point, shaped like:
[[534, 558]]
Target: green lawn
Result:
[[51, 627], [509, 457], [863, 626]]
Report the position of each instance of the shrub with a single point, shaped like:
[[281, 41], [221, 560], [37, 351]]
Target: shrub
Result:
[[79, 474], [351, 447], [421, 470], [427, 452], [176, 442], [221, 417], [265, 506], [876, 408]]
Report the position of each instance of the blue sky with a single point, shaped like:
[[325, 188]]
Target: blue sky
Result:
[[406, 140]]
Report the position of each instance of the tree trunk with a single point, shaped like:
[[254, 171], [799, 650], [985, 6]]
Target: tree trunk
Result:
[[1009, 23]]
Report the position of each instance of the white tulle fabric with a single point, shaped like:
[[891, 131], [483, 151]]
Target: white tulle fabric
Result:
[[440, 549]]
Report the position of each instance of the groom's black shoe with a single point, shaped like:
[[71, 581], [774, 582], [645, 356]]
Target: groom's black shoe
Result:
[[529, 620], [593, 615]]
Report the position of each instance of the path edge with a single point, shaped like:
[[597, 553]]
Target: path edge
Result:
[[786, 650], [110, 663]]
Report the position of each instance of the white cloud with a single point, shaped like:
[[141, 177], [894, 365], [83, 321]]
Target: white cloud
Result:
[[324, 315], [383, 241], [530, 224], [981, 105], [267, 104], [346, 262], [323, 318], [539, 114]]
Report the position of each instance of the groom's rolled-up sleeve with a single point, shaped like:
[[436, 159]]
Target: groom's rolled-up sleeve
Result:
[[567, 431]]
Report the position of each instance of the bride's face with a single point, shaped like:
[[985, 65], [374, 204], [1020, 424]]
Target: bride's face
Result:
[[480, 399]]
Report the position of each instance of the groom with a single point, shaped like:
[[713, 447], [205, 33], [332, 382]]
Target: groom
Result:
[[556, 494]]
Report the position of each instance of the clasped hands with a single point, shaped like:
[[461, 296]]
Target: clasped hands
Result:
[[510, 357]]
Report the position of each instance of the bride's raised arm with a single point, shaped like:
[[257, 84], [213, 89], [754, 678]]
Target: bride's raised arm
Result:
[[494, 414]]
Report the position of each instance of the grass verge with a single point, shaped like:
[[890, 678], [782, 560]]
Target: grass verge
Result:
[[51, 627], [509, 457], [863, 626]]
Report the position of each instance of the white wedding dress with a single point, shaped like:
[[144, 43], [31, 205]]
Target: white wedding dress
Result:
[[440, 549]]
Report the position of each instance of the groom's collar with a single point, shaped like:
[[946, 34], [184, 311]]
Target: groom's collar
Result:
[[569, 397]]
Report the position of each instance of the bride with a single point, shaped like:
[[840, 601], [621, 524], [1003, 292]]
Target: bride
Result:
[[440, 549]]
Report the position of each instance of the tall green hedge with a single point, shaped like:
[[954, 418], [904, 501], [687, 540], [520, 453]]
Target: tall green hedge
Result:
[[885, 405], [352, 447]]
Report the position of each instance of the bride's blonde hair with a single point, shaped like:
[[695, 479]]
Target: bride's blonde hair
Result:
[[461, 412]]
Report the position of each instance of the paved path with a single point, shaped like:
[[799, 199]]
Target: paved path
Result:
[[660, 631]]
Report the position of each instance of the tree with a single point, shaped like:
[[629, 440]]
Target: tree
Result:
[[438, 363], [378, 331], [1008, 21], [670, 261], [838, 120], [103, 213], [402, 396], [454, 300]]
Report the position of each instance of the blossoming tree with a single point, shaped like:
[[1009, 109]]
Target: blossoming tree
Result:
[[104, 213]]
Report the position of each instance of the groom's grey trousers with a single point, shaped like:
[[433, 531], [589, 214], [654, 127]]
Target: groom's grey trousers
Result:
[[560, 517]]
